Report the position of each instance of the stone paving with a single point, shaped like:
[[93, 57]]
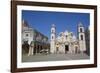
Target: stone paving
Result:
[[53, 57]]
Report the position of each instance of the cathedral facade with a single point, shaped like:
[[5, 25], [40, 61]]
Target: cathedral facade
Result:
[[67, 42]]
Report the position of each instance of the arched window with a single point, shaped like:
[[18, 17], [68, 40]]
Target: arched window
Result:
[[76, 49], [52, 37], [81, 30], [81, 37], [66, 36], [52, 31], [26, 35]]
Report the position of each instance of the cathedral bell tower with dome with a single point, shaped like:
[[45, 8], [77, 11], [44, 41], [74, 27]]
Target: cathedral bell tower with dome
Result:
[[53, 39], [81, 37]]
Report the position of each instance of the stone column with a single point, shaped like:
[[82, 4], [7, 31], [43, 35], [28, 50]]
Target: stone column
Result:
[[36, 49], [30, 51], [39, 48]]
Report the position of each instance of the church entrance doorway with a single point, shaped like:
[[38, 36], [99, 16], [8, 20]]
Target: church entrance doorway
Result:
[[57, 50], [76, 49], [66, 48]]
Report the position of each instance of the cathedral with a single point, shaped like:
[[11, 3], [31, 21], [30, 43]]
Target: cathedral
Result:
[[63, 43], [67, 42]]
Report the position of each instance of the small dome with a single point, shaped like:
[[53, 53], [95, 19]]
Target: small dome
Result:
[[53, 25], [80, 24], [61, 33]]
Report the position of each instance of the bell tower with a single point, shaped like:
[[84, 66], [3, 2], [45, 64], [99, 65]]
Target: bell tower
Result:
[[53, 39], [81, 37]]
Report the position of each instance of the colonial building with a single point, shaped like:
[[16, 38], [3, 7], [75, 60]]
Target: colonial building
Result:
[[36, 40], [66, 42]]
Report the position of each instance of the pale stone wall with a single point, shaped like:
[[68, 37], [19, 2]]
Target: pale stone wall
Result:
[[27, 35], [82, 46], [52, 47]]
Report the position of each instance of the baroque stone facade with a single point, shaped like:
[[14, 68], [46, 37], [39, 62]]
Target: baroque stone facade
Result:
[[66, 42]]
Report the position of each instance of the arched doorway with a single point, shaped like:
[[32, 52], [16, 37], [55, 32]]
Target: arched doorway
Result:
[[57, 49], [76, 49], [66, 48]]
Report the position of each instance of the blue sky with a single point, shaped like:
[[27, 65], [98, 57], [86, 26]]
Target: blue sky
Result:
[[42, 20]]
